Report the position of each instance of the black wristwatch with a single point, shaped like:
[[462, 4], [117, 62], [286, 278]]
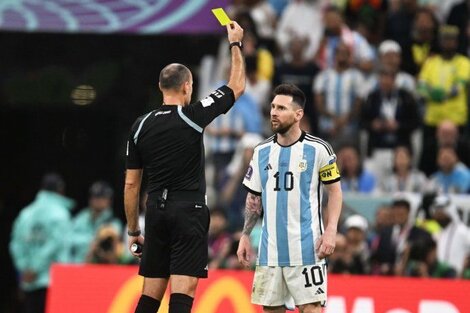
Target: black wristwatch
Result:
[[235, 44], [134, 233]]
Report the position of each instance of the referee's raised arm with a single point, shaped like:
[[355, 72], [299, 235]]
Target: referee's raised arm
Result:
[[237, 71]]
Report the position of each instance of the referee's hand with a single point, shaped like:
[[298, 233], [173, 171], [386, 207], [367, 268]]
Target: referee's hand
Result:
[[138, 240], [244, 251], [234, 32]]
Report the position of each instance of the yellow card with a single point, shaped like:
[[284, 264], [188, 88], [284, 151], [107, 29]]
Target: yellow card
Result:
[[221, 16]]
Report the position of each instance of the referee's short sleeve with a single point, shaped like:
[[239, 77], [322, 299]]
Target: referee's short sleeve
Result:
[[133, 157], [206, 110], [252, 180]]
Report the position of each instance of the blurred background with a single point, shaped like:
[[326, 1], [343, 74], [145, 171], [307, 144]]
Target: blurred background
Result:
[[387, 85]]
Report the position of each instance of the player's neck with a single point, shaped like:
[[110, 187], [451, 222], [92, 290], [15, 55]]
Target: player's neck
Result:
[[289, 137]]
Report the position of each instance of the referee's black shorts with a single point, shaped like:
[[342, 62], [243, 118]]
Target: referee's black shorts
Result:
[[176, 240]]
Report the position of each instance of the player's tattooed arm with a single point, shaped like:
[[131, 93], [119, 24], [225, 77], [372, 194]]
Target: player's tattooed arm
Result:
[[252, 212]]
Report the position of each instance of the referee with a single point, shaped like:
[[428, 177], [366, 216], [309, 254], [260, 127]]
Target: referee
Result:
[[168, 144]]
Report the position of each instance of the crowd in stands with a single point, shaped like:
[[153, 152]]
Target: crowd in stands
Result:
[[387, 85]]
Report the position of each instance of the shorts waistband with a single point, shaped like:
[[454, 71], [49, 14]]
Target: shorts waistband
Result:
[[179, 195]]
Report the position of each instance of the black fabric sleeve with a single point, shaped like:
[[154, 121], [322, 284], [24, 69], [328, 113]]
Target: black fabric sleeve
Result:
[[133, 158], [206, 110]]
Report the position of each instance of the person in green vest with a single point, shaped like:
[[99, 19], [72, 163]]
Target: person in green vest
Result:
[[39, 239], [87, 222]]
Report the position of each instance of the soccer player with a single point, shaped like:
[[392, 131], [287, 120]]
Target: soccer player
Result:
[[284, 181]]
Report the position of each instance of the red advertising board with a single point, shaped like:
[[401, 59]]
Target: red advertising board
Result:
[[116, 289]]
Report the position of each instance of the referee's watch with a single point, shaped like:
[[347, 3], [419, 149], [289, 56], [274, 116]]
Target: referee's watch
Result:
[[134, 233], [235, 44]]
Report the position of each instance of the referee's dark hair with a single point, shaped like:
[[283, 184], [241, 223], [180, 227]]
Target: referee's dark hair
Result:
[[297, 95], [173, 76]]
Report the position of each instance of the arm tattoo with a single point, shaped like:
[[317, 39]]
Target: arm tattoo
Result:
[[252, 212]]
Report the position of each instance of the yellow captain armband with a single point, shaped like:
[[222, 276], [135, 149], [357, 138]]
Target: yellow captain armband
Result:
[[329, 173]]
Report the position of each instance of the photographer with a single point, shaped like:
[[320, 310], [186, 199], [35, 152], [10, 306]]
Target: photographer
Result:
[[87, 222], [108, 248]]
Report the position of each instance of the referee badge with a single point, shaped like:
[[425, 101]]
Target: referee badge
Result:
[[302, 165]]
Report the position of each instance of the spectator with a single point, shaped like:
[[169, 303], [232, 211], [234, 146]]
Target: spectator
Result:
[[39, 239], [453, 244], [390, 58], [389, 115], [443, 83], [388, 251], [460, 16], [301, 72], [341, 261], [356, 230], [337, 32], [368, 15], [447, 135], [383, 219], [300, 19], [87, 223], [259, 89], [418, 44], [263, 67], [422, 262], [233, 195], [338, 96], [219, 239], [405, 178], [399, 22], [108, 248], [263, 15], [227, 129], [452, 176], [354, 178]]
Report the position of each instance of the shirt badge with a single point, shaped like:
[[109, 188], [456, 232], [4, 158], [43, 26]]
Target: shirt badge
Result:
[[302, 165]]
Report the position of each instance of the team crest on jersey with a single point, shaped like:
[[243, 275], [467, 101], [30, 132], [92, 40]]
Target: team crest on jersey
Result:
[[302, 165], [249, 173]]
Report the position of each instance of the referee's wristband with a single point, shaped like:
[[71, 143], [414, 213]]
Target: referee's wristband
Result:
[[134, 233], [235, 44]]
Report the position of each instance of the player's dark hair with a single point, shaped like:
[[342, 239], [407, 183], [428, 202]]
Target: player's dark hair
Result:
[[297, 95], [401, 203], [173, 76], [53, 182]]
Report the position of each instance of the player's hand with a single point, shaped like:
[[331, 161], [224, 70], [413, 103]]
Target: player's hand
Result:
[[325, 245], [235, 32], [139, 240], [244, 251]]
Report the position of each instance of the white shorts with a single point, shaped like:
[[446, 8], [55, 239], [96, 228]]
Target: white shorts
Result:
[[276, 285]]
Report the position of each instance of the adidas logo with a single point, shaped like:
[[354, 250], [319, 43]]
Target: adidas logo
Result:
[[268, 167], [319, 292]]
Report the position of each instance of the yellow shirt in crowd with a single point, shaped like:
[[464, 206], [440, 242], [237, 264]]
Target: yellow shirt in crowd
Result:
[[446, 74]]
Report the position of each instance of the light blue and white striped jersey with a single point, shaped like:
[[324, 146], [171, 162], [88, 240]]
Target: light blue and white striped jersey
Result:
[[288, 180], [340, 90]]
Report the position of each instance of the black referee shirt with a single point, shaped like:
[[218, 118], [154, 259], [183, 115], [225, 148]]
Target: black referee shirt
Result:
[[168, 143]]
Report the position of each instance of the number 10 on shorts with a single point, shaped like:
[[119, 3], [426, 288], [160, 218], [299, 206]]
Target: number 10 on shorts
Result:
[[314, 275]]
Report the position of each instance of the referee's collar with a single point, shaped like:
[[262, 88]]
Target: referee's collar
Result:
[[301, 138]]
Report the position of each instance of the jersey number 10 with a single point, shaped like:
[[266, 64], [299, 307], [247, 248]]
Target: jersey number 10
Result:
[[288, 181]]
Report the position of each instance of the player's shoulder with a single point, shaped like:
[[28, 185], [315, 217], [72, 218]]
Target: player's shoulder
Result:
[[318, 142], [268, 141]]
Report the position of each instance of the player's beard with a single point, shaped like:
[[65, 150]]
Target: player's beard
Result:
[[281, 128]]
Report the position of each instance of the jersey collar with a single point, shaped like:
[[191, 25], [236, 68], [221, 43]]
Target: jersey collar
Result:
[[301, 138]]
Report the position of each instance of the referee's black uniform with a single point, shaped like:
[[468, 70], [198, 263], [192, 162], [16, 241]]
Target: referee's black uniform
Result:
[[168, 144]]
